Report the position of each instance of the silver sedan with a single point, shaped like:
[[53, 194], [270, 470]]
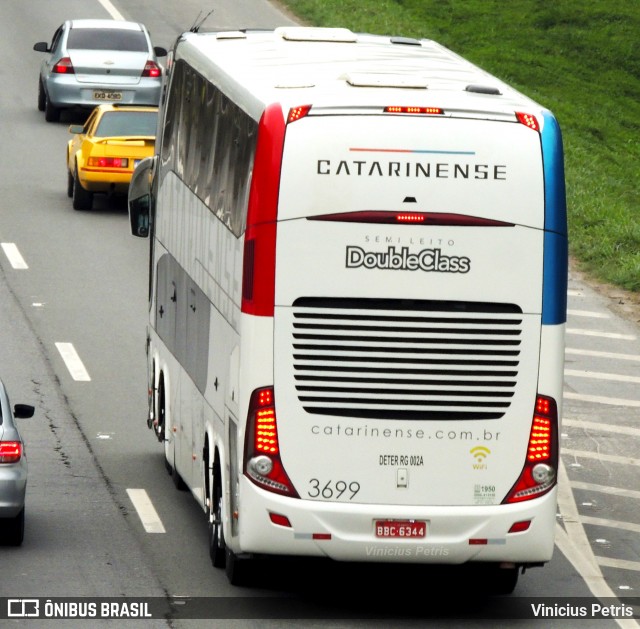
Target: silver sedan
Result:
[[13, 471], [90, 62]]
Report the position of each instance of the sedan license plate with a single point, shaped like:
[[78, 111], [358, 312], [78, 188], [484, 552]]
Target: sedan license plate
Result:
[[404, 529], [107, 95]]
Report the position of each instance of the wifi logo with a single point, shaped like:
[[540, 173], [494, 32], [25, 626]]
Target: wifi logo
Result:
[[480, 453]]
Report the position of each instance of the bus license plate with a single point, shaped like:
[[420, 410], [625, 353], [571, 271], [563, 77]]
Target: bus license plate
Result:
[[107, 95], [405, 529]]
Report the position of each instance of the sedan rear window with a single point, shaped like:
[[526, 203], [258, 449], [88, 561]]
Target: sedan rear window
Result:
[[107, 39]]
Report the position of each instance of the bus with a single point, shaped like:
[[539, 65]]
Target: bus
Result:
[[357, 301]]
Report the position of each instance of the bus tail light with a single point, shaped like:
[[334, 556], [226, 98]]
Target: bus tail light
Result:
[[262, 462], [540, 472]]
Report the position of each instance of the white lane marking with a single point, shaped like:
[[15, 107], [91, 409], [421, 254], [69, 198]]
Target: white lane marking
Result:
[[601, 376], [146, 511], [72, 361], [588, 313], [611, 458], [606, 335], [612, 524], [14, 256], [574, 292], [624, 564], [598, 427], [111, 10], [572, 540], [596, 399], [605, 489], [595, 354]]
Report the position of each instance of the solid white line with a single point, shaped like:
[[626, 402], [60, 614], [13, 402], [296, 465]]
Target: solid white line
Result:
[[569, 395], [588, 313], [598, 427], [73, 362], [601, 376], [616, 491], [14, 256], [146, 511], [612, 524], [588, 352], [619, 563], [612, 458], [111, 10], [606, 335]]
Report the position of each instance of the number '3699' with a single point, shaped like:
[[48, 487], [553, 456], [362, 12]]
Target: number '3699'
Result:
[[333, 490]]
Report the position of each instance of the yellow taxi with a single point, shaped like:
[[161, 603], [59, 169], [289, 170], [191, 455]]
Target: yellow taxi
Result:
[[104, 151]]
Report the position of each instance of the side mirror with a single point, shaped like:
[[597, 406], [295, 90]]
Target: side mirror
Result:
[[139, 197], [41, 46], [160, 51], [23, 410], [76, 128]]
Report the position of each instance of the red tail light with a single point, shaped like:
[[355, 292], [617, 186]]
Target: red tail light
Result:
[[540, 472], [64, 66], [152, 69], [108, 162], [262, 462], [10, 451]]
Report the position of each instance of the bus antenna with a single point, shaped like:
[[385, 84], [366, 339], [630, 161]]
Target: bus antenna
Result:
[[199, 22]]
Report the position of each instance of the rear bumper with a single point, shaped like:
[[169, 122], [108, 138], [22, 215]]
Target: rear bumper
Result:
[[455, 535], [13, 486], [66, 92], [99, 181]]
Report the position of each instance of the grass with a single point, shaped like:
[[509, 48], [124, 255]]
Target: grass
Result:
[[579, 59]]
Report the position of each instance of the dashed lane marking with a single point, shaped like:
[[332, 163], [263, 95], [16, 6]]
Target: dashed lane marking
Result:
[[13, 255], [72, 361], [146, 511]]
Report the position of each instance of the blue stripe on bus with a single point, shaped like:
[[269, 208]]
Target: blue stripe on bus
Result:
[[556, 252]]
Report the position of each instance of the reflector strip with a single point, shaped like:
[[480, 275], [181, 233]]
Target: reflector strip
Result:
[[480, 541]]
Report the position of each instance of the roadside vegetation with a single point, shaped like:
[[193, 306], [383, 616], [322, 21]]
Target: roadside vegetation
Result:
[[579, 59]]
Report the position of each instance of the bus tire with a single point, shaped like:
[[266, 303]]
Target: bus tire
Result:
[[217, 548], [237, 568], [501, 581]]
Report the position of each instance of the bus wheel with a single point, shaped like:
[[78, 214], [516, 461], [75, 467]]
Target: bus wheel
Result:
[[217, 550], [238, 569]]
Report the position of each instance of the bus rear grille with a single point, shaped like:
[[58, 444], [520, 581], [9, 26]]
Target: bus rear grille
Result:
[[405, 359]]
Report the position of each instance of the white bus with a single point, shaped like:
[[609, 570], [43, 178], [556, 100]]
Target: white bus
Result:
[[357, 301]]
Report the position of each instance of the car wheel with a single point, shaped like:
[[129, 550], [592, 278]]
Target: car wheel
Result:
[[13, 529], [42, 99], [217, 550], [82, 199], [51, 112], [69, 184]]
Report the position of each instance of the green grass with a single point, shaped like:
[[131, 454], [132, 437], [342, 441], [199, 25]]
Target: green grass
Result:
[[579, 59]]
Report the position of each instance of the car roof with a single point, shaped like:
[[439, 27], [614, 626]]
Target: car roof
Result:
[[110, 24]]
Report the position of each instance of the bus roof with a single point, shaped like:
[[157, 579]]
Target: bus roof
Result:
[[334, 67]]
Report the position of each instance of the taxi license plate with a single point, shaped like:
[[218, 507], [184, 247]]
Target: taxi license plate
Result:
[[107, 95], [403, 529]]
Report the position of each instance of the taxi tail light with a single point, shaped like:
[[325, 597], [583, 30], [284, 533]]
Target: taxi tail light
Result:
[[262, 463], [64, 66], [10, 451], [540, 472], [152, 69]]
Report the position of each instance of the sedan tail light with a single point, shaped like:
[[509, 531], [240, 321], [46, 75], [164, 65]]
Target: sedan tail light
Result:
[[10, 451], [152, 69], [64, 66]]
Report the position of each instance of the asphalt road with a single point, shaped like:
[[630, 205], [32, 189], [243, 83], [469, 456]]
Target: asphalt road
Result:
[[79, 280]]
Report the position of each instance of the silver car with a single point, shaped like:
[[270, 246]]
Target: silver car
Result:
[[13, 471], [90, 62]]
